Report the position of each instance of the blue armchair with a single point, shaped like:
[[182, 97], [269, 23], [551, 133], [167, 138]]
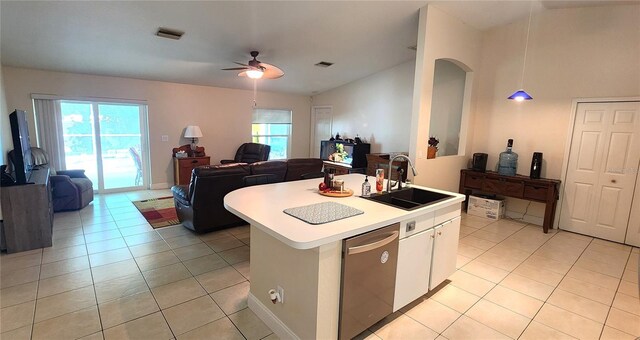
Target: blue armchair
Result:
[[72, 189]]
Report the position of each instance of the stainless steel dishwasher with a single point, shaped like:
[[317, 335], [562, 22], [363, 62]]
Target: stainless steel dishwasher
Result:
[[368, 279]]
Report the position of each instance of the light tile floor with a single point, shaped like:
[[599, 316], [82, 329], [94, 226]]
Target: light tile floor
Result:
[[110, 275]]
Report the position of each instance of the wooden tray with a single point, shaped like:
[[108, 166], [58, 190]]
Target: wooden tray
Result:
[[332, 193]]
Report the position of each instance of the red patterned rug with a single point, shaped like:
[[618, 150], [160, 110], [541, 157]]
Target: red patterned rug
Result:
[[159, 212]]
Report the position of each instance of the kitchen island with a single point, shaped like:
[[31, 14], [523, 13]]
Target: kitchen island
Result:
[[305, 260]]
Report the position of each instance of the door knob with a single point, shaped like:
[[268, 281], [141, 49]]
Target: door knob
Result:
[[439, 233], [613, 181]]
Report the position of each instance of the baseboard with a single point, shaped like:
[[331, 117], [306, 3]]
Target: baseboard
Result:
[[157, 186], [270, 319]]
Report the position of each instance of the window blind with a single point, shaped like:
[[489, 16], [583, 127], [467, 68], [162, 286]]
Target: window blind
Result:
[[271, 116]]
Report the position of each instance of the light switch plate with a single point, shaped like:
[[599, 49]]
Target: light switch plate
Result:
[[165, 138]]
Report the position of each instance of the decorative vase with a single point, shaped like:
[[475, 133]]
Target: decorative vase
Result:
[[431, 152]]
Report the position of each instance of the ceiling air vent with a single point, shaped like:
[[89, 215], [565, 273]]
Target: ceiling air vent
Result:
[[169, 33], [324, 64]]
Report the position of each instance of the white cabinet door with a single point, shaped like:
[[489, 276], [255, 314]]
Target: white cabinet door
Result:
[[414, 262], [445, 252]]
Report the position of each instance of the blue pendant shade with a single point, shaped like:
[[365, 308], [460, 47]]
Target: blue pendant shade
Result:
[[520, 95]]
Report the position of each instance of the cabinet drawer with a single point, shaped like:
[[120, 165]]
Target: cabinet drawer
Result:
[[534, 192], [471, 181], [193, 162], [492, 185], [513, 189], [503, 187]]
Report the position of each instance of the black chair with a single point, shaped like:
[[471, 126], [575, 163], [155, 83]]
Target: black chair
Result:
[[259, 179], [309, 175], [250, 153]]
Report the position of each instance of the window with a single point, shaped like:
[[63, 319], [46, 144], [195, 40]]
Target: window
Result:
[[272, 127]]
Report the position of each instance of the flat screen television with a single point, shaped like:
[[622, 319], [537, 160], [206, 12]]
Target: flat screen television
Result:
[[336, 151], [22, 161]]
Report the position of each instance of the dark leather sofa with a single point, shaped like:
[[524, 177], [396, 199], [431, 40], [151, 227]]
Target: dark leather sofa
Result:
[[200, 205]]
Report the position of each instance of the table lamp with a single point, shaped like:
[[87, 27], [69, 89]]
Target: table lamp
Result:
[[193, 132]]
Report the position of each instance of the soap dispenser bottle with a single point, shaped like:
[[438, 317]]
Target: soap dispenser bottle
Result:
[[366, 187]]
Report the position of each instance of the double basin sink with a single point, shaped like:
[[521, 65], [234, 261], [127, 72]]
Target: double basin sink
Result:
[[409, 198]]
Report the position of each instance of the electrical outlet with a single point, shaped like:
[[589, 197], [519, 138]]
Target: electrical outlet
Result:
[[281, 293], [165, 138]]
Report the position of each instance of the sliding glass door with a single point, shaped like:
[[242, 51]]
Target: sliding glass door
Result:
[[108, 141]]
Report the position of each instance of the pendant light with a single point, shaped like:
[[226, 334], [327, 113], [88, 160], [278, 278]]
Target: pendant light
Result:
[[522, 95]]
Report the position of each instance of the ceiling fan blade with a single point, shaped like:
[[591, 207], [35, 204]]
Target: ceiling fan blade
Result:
[[271, 72], [241, 64], [234, 68]]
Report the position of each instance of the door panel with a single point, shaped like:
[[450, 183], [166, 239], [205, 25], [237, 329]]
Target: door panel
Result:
[[414, 264], [321, 127], [602, 170], [445, 250], [588, 148]]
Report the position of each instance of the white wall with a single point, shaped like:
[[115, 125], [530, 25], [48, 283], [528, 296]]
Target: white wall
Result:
[[573, 53], [446, 107], [441, 36], [377, 108], [224, 115]]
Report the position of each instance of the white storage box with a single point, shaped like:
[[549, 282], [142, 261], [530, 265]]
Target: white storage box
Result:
[[487, 208]]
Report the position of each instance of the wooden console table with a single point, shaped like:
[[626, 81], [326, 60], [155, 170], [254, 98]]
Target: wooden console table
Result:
[[537, 190]]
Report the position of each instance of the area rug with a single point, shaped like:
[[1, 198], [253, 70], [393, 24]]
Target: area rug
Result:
[[159, 212]]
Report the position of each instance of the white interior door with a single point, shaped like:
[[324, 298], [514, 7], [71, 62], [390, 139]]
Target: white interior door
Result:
[[321, 127], [602, 169], [633, 231]]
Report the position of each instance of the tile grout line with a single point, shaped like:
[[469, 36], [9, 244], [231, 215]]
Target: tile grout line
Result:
[[614, 297], [498, 283], [510, 272]]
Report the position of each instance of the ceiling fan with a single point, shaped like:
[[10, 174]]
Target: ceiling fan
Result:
[[256, 69]]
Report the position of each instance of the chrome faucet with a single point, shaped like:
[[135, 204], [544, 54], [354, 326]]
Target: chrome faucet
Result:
[[415, 173]]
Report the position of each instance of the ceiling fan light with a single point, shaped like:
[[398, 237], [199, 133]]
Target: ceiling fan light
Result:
[[520, 96], [254, 74]]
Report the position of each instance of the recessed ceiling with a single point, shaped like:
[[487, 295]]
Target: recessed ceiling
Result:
[[117, 38]]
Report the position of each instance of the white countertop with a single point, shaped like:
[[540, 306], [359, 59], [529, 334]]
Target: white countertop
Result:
[[263, 205]]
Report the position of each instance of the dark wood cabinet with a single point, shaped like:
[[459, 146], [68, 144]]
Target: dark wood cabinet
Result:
[[539, 190], [182, 168], [28, 213]]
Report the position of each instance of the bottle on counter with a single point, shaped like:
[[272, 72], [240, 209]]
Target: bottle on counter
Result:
[[379, 180], [508, 161], [366, 187]]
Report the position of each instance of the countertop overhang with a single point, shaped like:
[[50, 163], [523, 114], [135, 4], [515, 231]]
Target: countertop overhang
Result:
[[263, 205]]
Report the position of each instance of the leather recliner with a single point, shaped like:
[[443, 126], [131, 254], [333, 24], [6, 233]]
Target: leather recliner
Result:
[[200, 205], [250, 153]]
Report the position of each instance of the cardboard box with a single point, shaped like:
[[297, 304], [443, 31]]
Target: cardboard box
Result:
[[485, 207]]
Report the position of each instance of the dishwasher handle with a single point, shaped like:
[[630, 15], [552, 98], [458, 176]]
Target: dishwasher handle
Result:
[[371, 246]]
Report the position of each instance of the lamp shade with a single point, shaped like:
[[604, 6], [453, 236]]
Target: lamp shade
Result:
[[192, 131], [520, 95]]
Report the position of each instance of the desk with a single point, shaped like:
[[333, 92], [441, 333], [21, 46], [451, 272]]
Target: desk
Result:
[[538, 190]]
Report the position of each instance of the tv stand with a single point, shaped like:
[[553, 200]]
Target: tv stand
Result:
[[28, 213]]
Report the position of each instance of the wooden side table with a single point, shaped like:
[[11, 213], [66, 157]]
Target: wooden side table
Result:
[[538, 190], [182, 168]]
